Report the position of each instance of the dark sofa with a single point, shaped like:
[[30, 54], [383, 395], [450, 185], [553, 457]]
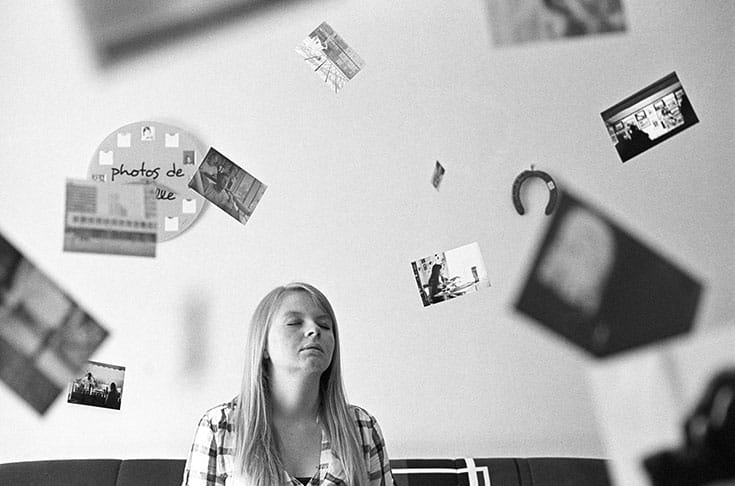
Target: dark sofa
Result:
[[552, 471]]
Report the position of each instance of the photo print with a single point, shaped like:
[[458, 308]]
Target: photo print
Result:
[[514, 22], [117, 219], [45, 337], [650, 116], [227, 186], [98, 385], [444, 276], [600, 287], [147, 133], [436, 179], [330, 57]]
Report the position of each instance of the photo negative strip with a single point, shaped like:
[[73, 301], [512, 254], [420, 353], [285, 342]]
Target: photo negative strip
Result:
[[117, 219], [45, 337], [444, 276], [601, 288], [515, 22], [650, 116], [330, 57], [228, 186], [98, 385]]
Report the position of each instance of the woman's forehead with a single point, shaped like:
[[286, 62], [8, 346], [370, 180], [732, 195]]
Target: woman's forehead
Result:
[[299, 301]]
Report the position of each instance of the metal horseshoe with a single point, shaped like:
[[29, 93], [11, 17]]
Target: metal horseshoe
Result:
[[527, 174]]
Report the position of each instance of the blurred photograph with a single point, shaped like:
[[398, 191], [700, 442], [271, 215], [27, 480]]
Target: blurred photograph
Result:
[[99, 385], [436, 179], [650, 116], [514, 22], [228, 186], [330, 57], [449, 274], [45, 337], [600, 287], [116, 219]]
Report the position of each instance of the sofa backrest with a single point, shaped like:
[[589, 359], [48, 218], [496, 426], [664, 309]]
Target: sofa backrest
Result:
[[552, 471]]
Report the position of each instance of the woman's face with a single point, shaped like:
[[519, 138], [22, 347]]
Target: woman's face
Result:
[[301, 336]]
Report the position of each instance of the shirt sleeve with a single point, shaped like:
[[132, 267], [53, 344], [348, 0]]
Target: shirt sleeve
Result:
[[202, 465], [379, 471]]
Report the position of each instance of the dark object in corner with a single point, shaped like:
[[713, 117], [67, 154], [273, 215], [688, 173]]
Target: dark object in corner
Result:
[[708, 454]]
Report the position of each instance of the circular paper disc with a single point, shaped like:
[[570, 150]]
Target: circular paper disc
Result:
[[149, 151]]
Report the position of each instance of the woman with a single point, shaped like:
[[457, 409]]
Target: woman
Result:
[[291, 424], [436, 284], [113, 397]]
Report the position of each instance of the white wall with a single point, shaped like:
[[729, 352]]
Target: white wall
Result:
[[350, 205]]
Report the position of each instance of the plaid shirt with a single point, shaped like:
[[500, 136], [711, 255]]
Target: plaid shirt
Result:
[[212, 455]]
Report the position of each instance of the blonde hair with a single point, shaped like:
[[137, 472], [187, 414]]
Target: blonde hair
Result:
[[256, 450]]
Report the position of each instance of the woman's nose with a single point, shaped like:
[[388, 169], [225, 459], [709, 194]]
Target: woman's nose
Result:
[[313, 330]]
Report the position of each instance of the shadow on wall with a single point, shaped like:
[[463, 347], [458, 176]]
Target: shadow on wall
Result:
[[194, 333]]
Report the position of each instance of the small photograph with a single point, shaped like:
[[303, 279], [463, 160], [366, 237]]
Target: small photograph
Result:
[[98, 385], [601, 288], [436, 179], [444, 276], [187, 157], [147, 133], [116, 219], [650, 116], [228, 186], [45, 337], [331, 58], [514, 22]]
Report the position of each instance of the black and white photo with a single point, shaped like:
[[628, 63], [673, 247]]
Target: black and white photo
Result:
[[117, 219], [650, 116], [514, 21], [450, 274], [98, 385], [228, 186], [331, 58], [45, 336]]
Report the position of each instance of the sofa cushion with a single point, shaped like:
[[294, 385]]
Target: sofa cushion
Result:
[[151, 472], [553, 471], [76, 472]]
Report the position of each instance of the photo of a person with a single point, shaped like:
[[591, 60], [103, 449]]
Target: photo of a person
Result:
[[147, 133], [100, 386], [188, 157], [228, 186], [650, 116], [450, 274], [292, 395]]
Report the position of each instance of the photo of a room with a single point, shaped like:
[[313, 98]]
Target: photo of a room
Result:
[[649, 117], [450, 274], [99, 385]]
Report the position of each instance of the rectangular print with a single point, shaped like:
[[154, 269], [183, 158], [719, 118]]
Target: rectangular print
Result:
[[330, 56], [648, 117], [99, 385], [117, 219], [601, 288], [228, 186], [45, 337], [446, 275], [514, 21]]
